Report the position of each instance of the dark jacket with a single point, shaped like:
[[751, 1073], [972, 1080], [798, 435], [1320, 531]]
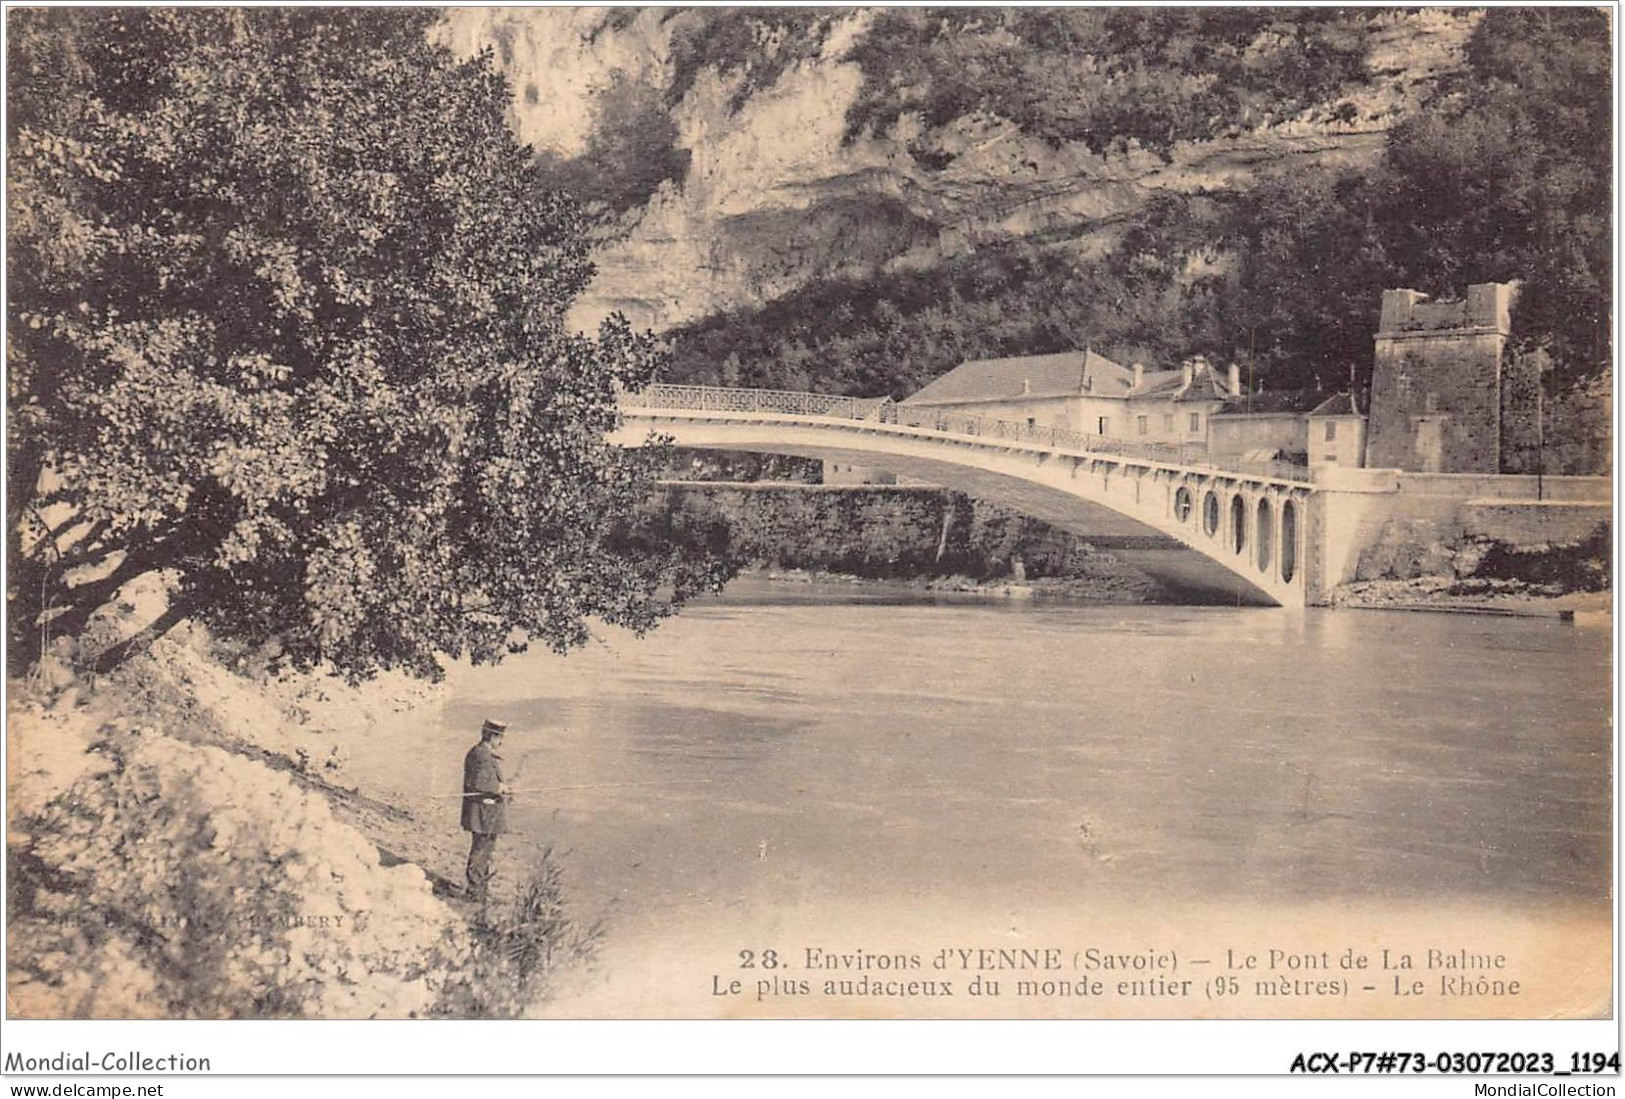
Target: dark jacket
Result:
[[482, 775]]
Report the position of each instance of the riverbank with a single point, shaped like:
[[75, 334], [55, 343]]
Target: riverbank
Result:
[[185, 842], [1570, 580], [1426, 593], [1108, 585], [1405, 570], [917, 536], [1504, 597]]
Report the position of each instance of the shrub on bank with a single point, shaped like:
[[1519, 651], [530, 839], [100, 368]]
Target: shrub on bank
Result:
[[518, 946]]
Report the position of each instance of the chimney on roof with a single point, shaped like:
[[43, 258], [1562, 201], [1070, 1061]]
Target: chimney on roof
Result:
[[1186, 373], [1139, 375], [1199, 365], [1235, 380]]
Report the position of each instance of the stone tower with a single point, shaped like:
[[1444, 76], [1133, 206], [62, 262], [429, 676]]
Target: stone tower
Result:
[[1436, 387]]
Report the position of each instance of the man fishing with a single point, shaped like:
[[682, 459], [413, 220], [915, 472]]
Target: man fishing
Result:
[[485, 798]]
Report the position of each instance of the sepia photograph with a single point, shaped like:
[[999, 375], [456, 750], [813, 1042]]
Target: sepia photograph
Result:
[[809, 513]]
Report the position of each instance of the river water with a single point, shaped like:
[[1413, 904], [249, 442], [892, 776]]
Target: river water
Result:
[[823, 765]]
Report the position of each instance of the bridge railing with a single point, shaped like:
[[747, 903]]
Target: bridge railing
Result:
[[705, 398], [710, 398]]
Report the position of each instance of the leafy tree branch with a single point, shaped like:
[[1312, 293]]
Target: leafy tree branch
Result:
[[286, 307]]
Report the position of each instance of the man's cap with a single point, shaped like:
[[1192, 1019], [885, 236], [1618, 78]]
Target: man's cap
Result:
[[493, 727]]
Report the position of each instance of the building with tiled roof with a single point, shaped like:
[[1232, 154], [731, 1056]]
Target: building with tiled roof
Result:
[[1087, 393], [1026, 378], [1337, 430], [1300, 425], [1271, 402]]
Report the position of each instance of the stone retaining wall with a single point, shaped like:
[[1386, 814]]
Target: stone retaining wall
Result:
[[1525, 524]]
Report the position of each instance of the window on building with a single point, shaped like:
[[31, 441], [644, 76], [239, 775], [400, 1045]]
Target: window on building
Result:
[[1032, 421], [1168, 421], [1104, 423], [1196, 421], [1433, 402], [1143, 423], [1331, 430]]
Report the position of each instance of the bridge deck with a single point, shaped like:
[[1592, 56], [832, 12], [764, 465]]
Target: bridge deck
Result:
[[1247, 528], [662, 396]]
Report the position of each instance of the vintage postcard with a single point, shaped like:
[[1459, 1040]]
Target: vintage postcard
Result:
[[809, 513]]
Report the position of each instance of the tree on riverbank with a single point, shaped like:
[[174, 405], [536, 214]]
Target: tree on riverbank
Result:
[[286, 319]]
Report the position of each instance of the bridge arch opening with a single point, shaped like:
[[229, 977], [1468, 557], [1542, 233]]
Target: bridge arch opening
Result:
[[1182, 504], [1266, 535], [1289, 541], [1238, 524], [1210, 514]]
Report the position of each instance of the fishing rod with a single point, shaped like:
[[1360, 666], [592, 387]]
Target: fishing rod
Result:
[[585, 786]]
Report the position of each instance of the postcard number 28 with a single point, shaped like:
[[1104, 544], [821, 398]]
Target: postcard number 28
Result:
[[768, 959]]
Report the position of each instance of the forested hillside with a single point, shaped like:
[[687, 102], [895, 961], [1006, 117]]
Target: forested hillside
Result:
[[857, 200], [1504, 175]]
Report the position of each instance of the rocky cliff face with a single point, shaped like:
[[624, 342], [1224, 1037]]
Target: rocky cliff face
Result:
[[777, 193]]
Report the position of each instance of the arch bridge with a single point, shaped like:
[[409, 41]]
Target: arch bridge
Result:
[[1234, 535]]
